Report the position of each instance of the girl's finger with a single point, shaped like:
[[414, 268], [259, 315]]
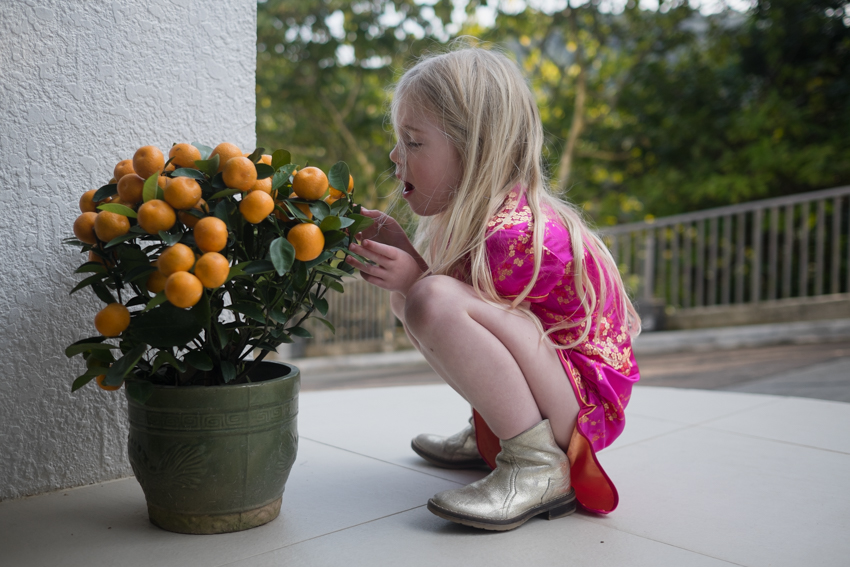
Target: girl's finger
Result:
[[378, 250]]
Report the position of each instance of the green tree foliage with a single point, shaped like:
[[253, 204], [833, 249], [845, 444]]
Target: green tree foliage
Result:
[[648, 112], [323, 70]]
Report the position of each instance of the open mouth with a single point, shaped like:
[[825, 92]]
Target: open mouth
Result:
[[408, 188]]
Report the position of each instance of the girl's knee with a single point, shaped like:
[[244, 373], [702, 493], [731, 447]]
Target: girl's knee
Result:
[[429, 302]]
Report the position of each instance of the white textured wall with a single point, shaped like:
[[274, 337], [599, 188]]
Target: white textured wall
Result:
[[84, 83]]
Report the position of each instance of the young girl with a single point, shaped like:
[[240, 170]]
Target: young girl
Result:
[[506, 292]]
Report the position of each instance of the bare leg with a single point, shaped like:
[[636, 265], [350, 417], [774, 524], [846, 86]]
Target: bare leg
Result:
[[493, 358]]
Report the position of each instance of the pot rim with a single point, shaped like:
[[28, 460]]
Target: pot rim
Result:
[[293, 373]]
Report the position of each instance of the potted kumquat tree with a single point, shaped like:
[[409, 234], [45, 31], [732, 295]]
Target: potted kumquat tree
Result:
[[207, 260]]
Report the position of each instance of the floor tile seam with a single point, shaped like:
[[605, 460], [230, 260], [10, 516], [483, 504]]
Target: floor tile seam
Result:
[[742, 410], [781, 441], [662, 542], [320, 536], [685, 427], [382, 461]]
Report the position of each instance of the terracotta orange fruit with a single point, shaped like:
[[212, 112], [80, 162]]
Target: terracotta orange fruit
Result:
[[210, 234], [184, 155], [308, 241], [183, 289], [212, 269], [112, 320], [84, 228], [182, 193], [310, 183], [256, 206]]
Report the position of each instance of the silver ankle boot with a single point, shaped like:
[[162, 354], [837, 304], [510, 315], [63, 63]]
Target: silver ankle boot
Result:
[[532, 476], [460, 451]]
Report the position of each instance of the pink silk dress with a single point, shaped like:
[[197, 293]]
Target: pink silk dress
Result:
[[601, 369]]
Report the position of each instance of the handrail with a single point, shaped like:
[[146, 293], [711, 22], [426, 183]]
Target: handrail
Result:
[[728, 210]]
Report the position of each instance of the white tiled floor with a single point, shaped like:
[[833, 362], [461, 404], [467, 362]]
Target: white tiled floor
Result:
[[705, 478]]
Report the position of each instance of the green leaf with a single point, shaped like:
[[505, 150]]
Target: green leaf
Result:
[[158, 299], [224, 193], [221, 212], [91, 280], [78, 348], [339, 207], [321, 305], [205, 150], [283, 255], [221, 333], [93, 267], [295, 211], [201, 311], [278, 316], [228, 371], [320, 209], [338, 176], [105, 192], [83, 380], [102, 293], [360, 222], [199, 360], [332, 223], [256, 155], [165, 326], [170, 238], [217, 181], [188, 172], [138, 273], [252, 310], [264, 171], [119, 209], [322, 257], [116, 373], [280, 158], [331, 271], [334, 238], [119, 239], [327, 324], [151, 189], [258, 267], [281, 178], [300, 332], [165, 357], [208, 166], [139, 390], [333, 284]]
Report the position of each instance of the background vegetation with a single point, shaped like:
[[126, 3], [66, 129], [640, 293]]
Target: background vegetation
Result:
[[648, 112]]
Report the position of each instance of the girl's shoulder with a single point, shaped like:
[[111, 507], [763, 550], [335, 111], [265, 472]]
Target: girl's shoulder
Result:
[[515, 221]]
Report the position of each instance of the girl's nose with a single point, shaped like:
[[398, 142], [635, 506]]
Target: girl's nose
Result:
[[394, 154]]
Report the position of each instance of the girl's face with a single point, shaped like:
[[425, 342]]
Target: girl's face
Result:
[[426, 162]]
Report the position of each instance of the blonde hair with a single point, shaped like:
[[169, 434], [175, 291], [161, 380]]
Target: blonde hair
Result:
[[480, 100]]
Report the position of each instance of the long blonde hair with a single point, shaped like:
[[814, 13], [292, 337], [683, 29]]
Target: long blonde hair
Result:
[[480, 100]]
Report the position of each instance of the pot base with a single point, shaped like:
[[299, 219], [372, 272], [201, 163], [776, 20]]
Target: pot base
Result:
[[213, 523]]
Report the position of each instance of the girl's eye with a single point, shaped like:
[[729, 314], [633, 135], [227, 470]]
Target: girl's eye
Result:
[[413, 144]]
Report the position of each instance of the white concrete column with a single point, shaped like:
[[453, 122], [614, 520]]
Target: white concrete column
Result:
[[82, 85]]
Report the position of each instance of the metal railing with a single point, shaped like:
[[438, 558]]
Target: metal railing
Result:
[[363, 320], [788, 247]]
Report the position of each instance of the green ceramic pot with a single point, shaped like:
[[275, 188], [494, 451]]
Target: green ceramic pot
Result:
[[216, 459]]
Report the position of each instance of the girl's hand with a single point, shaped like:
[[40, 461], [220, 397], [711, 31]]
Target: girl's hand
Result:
[[386, 230], [393, 268]]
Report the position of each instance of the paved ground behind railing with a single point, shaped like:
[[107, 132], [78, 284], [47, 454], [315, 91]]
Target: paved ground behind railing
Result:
[[810, 360]]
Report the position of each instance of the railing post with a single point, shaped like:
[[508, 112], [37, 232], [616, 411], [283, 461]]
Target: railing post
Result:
[[835, 263], [649, 265], [755, 293], [804, 250]]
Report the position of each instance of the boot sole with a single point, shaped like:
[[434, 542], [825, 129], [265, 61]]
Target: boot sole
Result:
[[437, 462], [558, 508]]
